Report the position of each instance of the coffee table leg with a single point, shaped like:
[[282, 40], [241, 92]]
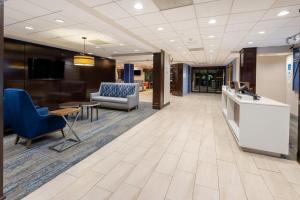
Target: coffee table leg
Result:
[[81, 113], [97, 111], [71, 126], [91, 114], [87, 112]]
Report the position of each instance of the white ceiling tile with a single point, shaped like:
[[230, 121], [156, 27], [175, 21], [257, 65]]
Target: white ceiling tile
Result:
[[253, 5], [128, 5], [166, 28], [185, 25], [129, 23], [265, 25], [93, 3], [168, 36], [151, 19], [142, 31], [212, 30], [272, 13], [239, 27], [282, 3], [14, 16], [112, 10], [220, 20], [190, 33], [53, 5], [246, 17], [179, 14], [26, 7], [214, 8]]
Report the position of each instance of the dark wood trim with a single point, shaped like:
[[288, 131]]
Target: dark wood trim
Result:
[[1, 96], [158, 80]]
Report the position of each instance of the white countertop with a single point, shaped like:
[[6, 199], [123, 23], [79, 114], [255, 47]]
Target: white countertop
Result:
[[249, 99]]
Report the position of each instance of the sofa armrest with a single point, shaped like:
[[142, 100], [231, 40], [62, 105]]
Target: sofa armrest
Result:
[[133, 101], [95, 94]]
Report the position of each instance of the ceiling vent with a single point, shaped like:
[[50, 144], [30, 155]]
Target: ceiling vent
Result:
[[196, 49], [98, 42], [170, 4]]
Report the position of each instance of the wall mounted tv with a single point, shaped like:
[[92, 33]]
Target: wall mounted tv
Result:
[[40, 68], [137, 72]]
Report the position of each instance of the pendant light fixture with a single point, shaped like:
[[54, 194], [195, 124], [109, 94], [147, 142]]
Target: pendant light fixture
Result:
[[82, 59]]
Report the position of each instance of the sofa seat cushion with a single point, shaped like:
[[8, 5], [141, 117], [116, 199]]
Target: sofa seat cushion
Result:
[[111, 99]]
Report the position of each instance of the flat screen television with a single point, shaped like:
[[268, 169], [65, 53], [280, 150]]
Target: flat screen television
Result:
[[40, 68], [137, 72]]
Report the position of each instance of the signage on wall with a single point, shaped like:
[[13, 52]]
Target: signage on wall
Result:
[[289, 73]]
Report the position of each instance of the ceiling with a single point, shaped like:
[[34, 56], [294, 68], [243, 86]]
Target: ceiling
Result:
[[116, 27]]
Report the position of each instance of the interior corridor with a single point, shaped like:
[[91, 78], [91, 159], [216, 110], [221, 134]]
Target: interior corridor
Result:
[[185, 151]]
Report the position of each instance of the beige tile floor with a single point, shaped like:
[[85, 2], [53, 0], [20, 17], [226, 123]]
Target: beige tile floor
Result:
[[182, 152]]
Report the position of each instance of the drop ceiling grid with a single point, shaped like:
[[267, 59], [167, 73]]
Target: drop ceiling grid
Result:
[[253, 16]]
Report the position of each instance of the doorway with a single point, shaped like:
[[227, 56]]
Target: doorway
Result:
[[208, 80]]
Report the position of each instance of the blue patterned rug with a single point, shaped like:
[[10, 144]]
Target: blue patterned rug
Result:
[[25, 170]]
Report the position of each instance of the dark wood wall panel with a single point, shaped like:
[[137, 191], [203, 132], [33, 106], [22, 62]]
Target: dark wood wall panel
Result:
[[52, 92], [177, 79], [158, 80], [248, 66]]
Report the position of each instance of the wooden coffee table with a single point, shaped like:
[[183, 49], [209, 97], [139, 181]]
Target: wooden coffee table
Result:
[[83, 104], [60, 147]]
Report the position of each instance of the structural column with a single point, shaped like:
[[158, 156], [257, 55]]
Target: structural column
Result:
[[1, 97], [161, 80], [128, 73]]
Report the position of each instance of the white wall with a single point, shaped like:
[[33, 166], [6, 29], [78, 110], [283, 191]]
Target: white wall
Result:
[[271, 78], [141, 77], [291, 96], [167, 93]]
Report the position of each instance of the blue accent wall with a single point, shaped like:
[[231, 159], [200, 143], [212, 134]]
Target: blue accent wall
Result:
[[128, 73], [296, 58]]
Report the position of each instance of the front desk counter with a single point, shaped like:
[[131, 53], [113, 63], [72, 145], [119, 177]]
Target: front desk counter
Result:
[[261, 125]]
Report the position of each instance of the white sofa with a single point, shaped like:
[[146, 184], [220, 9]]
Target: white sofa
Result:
[[117, 95]]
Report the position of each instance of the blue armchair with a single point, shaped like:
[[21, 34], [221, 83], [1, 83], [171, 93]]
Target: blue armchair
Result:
[[26, 119]]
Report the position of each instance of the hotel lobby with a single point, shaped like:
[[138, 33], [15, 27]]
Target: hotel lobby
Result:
[[149, 99]]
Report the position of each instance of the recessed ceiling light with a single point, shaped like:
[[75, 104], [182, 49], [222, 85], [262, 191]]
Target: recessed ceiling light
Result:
[[250, 42], [136, 50], [29, 27], [138, 6], [121, 44], [172, 40], [212, 21], [59, 20], [283, 13], [211, 36], [210, 51], [261, 32], [160, 28]]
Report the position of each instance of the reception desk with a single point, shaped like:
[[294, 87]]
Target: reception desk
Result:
[[261, 125]]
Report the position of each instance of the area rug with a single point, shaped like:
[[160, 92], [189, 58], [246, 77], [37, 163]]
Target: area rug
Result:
[[25, 170]]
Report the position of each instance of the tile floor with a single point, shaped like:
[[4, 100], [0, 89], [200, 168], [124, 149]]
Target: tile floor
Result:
[[183, 152]]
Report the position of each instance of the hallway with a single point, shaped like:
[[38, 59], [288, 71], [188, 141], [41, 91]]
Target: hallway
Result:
[[183, 152]]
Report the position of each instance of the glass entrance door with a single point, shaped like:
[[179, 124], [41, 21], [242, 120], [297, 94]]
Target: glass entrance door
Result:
[[207, 80]]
